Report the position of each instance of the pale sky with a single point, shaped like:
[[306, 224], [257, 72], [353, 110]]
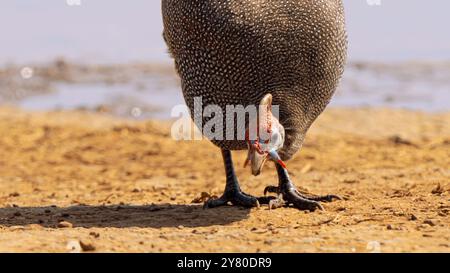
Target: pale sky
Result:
[[124, 31]]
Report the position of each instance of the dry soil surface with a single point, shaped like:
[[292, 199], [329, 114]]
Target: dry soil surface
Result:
[[72, 181]]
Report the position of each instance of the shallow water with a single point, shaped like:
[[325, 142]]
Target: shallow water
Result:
[[112, 31], [122, 99], [423, 87], [416, 86]]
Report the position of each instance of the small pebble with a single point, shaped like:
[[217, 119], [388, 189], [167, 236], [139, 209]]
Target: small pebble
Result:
[[259, 230], [94, 234], [430, 222], [14, 228], [65, 224], [74, 246]]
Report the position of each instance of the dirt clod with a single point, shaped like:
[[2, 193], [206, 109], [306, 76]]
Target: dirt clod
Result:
[[87, 246], [94, 234], [430, 222], [204, 196], [438, 190]]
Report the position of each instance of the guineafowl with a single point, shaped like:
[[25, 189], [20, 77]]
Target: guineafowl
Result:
[[285, 53]]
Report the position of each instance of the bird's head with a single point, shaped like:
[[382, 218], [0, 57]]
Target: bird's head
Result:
[[268, 139]]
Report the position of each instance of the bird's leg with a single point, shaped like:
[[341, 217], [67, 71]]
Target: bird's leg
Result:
[[233, 193], [288, 194]]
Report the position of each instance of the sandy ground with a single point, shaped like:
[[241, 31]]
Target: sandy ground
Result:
[[72, 181]]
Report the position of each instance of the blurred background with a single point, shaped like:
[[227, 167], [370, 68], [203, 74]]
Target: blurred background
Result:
[[109, 56]]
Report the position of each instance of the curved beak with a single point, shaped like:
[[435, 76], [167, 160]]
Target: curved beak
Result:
[[256, 159]]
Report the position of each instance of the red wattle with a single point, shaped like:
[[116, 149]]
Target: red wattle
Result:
[[282, 163]]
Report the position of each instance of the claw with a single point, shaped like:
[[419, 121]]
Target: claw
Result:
[[337, 197], [271, 189], [320, 207], [265, 200], [299, 200], [214, 202], [319, 198], [289, 194], [332, 197], [311, 207], [304, 204], [233, 193], [234, 197]]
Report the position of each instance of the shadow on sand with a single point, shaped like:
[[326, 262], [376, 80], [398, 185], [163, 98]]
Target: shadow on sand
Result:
[[153, 216]]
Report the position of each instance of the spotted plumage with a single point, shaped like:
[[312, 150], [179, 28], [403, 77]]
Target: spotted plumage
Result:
[[234, 52]]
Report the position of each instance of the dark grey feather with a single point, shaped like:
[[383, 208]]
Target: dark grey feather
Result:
[[233, 52]]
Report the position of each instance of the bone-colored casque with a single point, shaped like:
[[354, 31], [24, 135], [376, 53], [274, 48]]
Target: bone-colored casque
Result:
[[232, 52]]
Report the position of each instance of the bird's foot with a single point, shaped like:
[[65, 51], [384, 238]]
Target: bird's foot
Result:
[[238, 198], [288, 194]]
